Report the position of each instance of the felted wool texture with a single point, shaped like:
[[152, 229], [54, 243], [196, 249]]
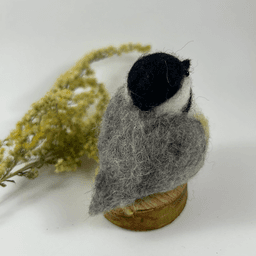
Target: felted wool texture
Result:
[[156, 77], [141, 153]]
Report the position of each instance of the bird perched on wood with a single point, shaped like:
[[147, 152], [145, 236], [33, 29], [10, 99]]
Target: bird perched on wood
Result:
[[153, 136]]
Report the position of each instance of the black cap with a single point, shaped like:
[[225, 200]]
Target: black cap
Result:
[[155, 78]]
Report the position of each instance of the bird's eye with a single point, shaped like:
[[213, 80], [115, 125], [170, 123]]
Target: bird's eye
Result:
[[187, 73]]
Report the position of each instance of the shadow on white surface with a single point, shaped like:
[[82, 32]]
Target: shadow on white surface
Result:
[[220, 196], [59, 198], [224, 190]]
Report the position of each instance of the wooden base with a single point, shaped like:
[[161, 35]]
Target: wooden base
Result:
[[151, 212]]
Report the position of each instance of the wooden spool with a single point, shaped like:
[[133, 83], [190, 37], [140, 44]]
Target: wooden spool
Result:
[[151, 212]]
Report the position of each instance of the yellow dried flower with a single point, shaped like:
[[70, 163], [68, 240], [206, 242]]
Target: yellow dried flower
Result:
[[57, 129], [32, 174]]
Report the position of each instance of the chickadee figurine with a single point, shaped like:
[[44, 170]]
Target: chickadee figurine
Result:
[[153, 137]]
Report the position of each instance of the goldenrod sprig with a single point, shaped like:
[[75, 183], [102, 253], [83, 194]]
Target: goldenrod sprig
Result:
[[56, 132]]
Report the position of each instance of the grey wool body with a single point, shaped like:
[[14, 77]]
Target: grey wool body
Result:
[[142, 153]]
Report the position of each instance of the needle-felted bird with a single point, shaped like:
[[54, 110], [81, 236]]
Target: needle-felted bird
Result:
[[153, 137]]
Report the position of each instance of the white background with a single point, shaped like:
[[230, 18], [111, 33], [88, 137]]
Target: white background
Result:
[[39, 40]]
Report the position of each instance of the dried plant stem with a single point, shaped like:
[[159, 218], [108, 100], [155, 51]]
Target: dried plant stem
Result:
[[63, 131], [21, 172]]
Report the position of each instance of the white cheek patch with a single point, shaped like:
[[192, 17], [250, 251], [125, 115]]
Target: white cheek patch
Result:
[[175, 104]]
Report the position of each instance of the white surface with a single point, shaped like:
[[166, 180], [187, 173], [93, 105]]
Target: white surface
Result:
[[39, 40]]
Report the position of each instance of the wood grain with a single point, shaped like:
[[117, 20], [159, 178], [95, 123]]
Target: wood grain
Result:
[[151, 212]]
